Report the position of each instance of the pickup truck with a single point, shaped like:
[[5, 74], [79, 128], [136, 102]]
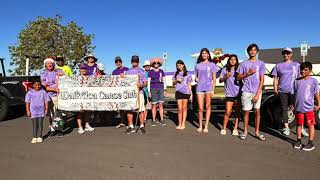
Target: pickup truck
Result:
[[12, 90]]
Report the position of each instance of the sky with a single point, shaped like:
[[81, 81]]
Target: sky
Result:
[[179, 27]]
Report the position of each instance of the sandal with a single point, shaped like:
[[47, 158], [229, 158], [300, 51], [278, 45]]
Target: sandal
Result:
[[261, 137], [243, 136], [205, 131]]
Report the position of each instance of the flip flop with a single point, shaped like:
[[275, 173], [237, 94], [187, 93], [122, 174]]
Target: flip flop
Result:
[[261, 137], [199, 130]]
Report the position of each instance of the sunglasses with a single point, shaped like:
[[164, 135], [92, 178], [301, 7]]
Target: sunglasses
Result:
[[286, 52], [157, 63], [118, 61], [134, 61]]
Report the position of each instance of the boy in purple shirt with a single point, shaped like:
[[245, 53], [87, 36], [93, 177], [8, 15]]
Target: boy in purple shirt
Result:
[[251, 72], [182, 80], [232, 91], [120, 70], [157, 89], [205, 72], [141, 107], [36, 107], [305, 89], [284, 74]]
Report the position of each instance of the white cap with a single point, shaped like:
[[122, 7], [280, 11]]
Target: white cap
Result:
[[146, 63], [287, 49], [100, 66]]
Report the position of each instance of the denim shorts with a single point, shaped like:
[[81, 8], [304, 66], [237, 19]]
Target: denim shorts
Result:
[[157, 96]]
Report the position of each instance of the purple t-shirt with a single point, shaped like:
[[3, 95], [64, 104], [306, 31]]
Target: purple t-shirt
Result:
[[37, 101], [287, 73], [50, 79], [203, 72], [91, 70], [183, 86], [133, 71], [156, 79], [251, 83], [232, 87], [304, 91], [119, 71]]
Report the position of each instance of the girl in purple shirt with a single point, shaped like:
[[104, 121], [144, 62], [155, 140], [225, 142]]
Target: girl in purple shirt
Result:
[[205, 72], [91, 62], [182, 80], [232, 91], [37, 107]]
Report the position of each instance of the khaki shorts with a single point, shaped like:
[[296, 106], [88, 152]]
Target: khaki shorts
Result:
[[142, 107], [247, 103], [53, 106]]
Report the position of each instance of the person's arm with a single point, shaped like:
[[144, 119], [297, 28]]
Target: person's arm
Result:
[[275, 85], [262, 71], [213, 82], [149, 83], [318, 102], [28, 109], [190, 89]]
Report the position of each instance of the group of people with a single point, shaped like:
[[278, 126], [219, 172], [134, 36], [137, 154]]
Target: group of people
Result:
[[243, 83]]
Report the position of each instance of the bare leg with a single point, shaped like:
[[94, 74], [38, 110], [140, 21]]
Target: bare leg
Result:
[[154, 112], [180, 115], [130, 117], [184, 113], [257, 114], [208, 111], [246, 121], [200, 109], [227, 114], [161, 110]]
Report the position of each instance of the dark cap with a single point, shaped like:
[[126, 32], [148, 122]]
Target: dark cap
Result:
[[135, 58], [83, 66], [59, 58]]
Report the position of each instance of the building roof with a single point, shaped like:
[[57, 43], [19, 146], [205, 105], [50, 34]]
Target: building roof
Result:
[[274, 55]]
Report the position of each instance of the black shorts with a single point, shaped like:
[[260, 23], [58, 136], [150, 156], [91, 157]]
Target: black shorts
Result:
[[234, 99], [180, 95]]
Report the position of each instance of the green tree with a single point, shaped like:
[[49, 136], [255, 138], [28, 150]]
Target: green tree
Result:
[[46, 37]]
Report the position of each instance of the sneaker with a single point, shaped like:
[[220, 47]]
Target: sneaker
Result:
[[130, 130], [162, 123], [304, 132], [286, 131], [223, 132], [80, 131], [60, 134], [297, 145], [34, 140], [153, 123], [308, 147], [120, 125], [52, 133], [88, 128], [142, 130], [235, 132], [39, 140]]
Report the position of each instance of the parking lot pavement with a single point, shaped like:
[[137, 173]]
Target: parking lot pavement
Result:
[[162, 153]]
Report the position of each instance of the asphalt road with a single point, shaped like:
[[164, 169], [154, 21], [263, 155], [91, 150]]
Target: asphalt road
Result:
[[163, 153]]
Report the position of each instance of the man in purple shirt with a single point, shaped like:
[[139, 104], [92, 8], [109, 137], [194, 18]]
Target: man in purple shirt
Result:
[[49, 80], [141, 107], [251, 72], [120, 70], [305, 89], [284, 74]]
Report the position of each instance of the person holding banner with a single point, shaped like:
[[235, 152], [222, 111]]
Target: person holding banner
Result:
[[91, 62], [61, 65], [49, 80], [141, 107], [84, 114], [118, 71], [157, 89]]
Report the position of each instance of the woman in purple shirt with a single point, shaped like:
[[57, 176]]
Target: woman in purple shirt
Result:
[[205, 72], [182, 80], [91, 62], [232, 89], [157, 89]]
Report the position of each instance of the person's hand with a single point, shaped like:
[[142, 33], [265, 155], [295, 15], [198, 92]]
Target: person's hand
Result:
[[57, 90], [251, 71], [191, 98], [149, 94], [255, 99], [276, 93], [316, 108], [28, 113], [122, 75], [228, 75], [165, 93], [46, 111], [179, 80], [60, 74]]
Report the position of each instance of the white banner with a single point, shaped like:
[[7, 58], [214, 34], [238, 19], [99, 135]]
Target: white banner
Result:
[[106, 93]]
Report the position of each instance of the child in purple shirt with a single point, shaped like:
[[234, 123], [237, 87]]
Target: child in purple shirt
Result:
[[91, 62], [205, 72], [284, 74], [37, 107], [157, 89], [251, 72], [232, 91], [182, 80], [305, 89]]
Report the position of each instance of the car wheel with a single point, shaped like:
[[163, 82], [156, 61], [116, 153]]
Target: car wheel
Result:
[[4, 107]]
